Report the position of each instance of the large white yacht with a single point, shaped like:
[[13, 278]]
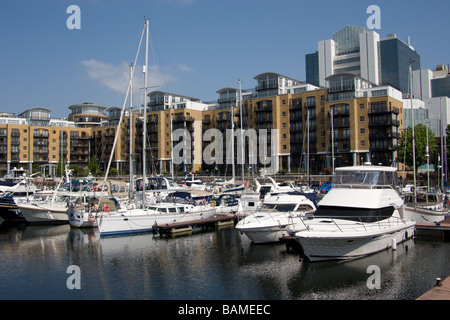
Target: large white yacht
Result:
[[361, 214], [269, 223]]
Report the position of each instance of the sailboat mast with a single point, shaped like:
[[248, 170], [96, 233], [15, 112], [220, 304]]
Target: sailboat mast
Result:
[[144, 125], [232, 141], [332, 141], [242, 133], [171, 147], [130, 188], [412, 124], [307, 147]]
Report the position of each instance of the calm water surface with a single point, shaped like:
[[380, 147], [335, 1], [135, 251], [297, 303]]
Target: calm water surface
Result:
[[206, 265]]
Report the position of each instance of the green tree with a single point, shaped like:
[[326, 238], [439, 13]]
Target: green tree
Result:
[[60, 169], [93, 165], [405, 155]]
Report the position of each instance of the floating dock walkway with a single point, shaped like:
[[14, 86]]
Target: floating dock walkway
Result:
[[439, 230], [179, 227], [441, 291]]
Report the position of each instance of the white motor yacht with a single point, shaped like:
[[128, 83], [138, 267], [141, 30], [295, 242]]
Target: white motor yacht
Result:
[[360, 215], [269, 223]]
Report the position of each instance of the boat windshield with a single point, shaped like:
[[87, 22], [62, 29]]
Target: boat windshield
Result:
[[278, 207], [364, 179]]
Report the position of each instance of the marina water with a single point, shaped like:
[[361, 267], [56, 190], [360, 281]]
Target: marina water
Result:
[[208, 264]]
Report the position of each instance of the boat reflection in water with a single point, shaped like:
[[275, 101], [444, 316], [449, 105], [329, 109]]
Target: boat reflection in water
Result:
[[205, 265]]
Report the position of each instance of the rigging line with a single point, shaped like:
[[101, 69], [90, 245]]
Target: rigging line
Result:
[[123, 106], [154, 47]]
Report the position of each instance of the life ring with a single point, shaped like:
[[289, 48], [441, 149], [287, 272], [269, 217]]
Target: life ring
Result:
[[213, 203], [106, 207]]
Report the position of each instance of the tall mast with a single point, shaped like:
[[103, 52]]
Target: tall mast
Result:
[[171, 147], [144, 130], [307, 146], [332, 141], [242, 133], [412, 124], [232, 141], [130, 191]]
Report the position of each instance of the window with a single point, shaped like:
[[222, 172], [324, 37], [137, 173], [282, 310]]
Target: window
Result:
[[363, 130], [361, 106], [284, 124], [284, 135], [363, 143], [284, 113], [284, 147], [362, 119]]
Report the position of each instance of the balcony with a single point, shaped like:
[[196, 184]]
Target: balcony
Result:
[[183, 119], [380, 109], [262, 119], [266, 85], [384, 123]]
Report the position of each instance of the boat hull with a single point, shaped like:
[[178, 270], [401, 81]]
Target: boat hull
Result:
[[265, 235], [135, 223], [35, 215], [79, 219], [11, 213], [264, 227], [341, 247], [420, 215]]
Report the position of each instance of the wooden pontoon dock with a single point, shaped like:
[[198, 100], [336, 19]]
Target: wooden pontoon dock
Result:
[[436, 230], [178, 227], [441, 291]]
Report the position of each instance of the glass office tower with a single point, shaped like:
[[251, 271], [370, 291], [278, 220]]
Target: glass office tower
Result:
[[394, 57]]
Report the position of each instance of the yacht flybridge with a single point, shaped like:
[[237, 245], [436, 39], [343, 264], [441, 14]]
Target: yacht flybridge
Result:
[[362, 214]]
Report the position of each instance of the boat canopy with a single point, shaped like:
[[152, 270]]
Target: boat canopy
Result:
[[190, 196], [365, 177]]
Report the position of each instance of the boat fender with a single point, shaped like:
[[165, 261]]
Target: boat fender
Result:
[[91, 217], [213, 203], [106, 207]]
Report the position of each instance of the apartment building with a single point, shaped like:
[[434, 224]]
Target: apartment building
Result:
[[297, 127], [34, 139]]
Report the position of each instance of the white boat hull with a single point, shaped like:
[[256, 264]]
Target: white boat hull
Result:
[[326, 246], [265, 235], [141, 222], [264, 227], [79, 219], [420, 215], [41, 215]]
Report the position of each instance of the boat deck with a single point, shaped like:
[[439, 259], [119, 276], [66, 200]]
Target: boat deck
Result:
[[441, 291]]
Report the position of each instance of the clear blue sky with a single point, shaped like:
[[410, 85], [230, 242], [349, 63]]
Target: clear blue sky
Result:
[[197, 46]]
